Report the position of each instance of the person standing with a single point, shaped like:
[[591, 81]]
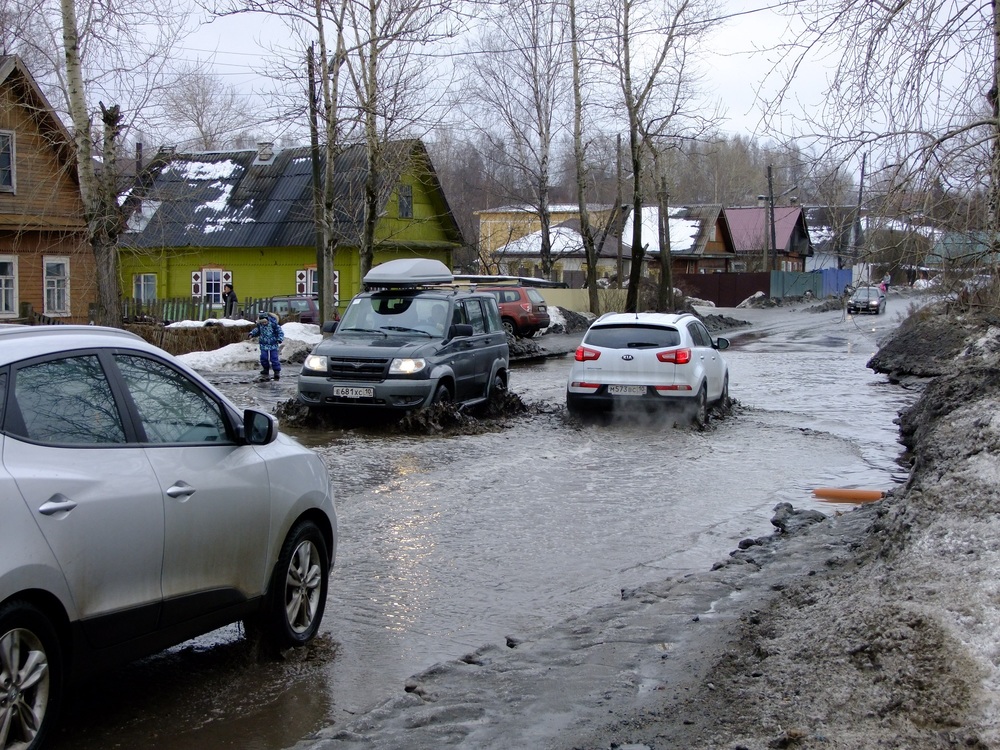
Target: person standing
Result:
[[229, 302], [269, 335]]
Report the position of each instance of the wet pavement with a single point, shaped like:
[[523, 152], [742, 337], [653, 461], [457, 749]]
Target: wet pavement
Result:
[[450, 543]]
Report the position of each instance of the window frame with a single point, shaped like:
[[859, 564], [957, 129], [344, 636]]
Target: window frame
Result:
[[15, 301], [51, 310], [139, 284], [12, 149], [405, 201]]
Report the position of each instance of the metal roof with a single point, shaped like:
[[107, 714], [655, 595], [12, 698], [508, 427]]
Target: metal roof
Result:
[[747, 227], [234, 199]]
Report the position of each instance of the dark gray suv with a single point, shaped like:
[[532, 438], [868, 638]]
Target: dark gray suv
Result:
[[409, 341]]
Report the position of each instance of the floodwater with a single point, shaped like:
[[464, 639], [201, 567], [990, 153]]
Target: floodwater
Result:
[[449, 543]]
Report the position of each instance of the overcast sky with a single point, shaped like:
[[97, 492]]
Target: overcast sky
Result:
[[235, 48]]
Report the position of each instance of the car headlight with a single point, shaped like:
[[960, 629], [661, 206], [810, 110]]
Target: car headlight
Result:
[[406, 366], [315, 362]]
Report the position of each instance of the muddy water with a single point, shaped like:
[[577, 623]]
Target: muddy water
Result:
[[449, 543]]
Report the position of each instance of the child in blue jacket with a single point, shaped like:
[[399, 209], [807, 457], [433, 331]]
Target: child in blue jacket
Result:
[[270, 336]]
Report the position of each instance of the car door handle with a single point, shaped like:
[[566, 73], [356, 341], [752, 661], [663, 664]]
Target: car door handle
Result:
[[58, 504], [181, 489]]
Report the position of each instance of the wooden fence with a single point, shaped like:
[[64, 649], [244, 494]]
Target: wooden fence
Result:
[[184, 308]]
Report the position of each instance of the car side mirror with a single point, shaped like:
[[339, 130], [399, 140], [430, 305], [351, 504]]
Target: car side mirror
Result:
[[459, 329], [330, 326], [722, 343], [259, 428]]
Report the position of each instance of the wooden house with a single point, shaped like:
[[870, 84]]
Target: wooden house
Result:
[[751, 235], [246, 218], [700, 240], [498, 227], [46, 263], [699, 243]]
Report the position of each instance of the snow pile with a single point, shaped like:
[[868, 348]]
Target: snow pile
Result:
[[210, 322], [300, 338]]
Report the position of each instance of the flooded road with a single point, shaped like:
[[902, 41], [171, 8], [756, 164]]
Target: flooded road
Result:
[[452, 542]]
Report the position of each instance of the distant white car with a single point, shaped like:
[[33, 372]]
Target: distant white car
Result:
[[648, 359], [139, 508]]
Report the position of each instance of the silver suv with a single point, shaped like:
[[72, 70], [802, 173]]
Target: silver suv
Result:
[[140, 508], [409, 341]]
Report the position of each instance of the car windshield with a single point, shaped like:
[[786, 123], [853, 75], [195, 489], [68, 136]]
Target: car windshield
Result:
[[632, 337], [865, 293], [396, 315]]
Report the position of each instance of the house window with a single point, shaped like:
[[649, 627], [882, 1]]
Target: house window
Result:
[[144, 286], [7, 181], [405, 202], [56, 286], [8, 285]]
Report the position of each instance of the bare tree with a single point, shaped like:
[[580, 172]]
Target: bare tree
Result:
[[215, 111], [915, 85], [518, 90], [647, 50], [391, 84], [118, 52]]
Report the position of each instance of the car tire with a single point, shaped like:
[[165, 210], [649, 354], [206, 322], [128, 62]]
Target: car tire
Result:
[[701, 407], [442, 395], [510, 327], [31, 663], [498, 388], [297, 597], [724, 396]]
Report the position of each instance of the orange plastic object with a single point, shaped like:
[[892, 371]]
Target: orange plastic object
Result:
[[846, 495]]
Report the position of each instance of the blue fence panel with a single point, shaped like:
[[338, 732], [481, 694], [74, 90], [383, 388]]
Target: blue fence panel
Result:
[[828, 282]]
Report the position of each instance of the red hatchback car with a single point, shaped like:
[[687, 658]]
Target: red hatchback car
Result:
[[522, 308]]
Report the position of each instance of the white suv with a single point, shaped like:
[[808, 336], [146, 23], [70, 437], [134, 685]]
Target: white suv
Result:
[[648, 359], [139, 508]]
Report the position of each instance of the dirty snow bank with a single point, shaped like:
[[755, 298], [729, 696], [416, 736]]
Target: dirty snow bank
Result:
[[872, 628]]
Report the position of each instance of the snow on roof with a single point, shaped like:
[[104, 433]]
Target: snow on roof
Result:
[[563, 241], [141, 218], [205, 170], [683, 232]]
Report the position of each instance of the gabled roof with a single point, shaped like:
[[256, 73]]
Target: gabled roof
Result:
[[234, 199], [748, 226], [15, 75], [690, 229]]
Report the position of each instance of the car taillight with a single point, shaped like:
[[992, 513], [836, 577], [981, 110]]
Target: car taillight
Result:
[[676, 356], [526, 306], [583, 354]]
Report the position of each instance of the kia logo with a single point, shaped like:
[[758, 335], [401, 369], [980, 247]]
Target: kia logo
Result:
[[627, 357]]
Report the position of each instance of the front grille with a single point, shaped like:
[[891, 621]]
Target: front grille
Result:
[[358, 369]]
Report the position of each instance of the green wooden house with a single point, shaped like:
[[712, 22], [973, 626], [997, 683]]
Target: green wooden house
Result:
[[245, 218]]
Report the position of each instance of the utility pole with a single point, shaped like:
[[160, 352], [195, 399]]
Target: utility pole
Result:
[[770, 216], [317, 182], [856, 238]]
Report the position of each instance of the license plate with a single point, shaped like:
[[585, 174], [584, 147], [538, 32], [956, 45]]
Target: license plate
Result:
[[352, 392], [627, 390]]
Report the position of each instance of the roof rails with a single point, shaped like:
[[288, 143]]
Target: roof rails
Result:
[[510, 281]]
